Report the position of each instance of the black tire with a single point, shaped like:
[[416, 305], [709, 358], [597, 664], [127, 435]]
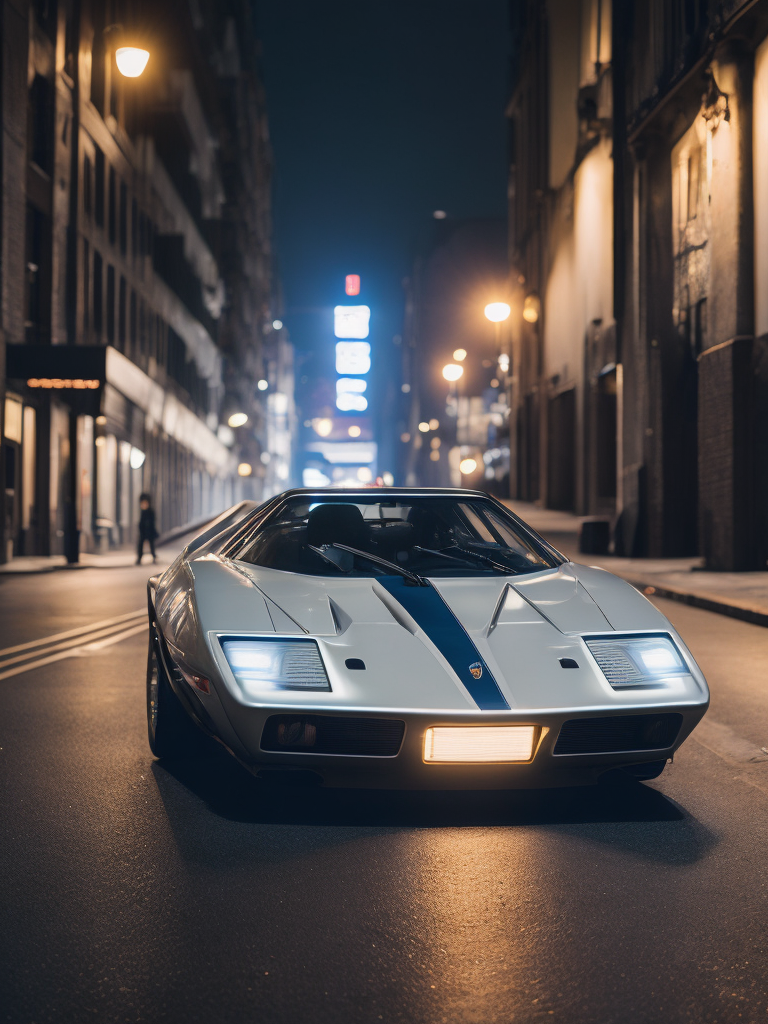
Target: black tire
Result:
[[171, 731]]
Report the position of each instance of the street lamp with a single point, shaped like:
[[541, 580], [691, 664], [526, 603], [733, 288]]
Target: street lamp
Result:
[[452, 371], [131, 60], [497, 312]]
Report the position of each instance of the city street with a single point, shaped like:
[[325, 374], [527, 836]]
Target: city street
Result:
[[188, 892]]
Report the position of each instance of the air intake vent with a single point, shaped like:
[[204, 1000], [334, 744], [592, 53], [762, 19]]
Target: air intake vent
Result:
[[618, 734], [325, 734]]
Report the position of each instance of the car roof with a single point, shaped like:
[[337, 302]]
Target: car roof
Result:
[[410, 492]]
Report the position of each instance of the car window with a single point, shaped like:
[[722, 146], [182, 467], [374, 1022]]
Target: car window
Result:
[[427, 535]]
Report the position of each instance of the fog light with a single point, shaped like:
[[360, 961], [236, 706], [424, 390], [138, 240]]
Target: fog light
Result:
[[490, 744]]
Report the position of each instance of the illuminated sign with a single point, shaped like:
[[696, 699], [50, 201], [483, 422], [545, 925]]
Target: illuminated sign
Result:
[[348, 401], [350, 384], [63, 382], [352, 284], [351, 321], [353, 357]]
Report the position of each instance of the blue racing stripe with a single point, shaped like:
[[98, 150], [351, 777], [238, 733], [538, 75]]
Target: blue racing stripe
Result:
[[429, 610]]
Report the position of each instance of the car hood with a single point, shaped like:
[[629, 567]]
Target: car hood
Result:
[[520, 628]]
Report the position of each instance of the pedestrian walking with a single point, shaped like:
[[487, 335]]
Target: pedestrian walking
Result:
[[147, 528]]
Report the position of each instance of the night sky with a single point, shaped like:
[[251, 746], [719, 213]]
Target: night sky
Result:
[[380, 112]]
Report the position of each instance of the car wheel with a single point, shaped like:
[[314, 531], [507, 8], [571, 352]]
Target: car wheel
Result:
[[172, 733]]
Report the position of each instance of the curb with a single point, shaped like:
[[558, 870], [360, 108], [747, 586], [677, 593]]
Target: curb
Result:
[[709, 604]]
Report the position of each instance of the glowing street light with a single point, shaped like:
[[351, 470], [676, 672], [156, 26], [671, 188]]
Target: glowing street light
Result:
[[496, 312], [131, 60], [531, 308], [244, 469], [452, 371], [467, 466], [460, 355], [238, 419], [424, 426], [322, 426]]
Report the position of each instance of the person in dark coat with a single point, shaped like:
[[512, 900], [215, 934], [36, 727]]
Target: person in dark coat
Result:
[[147, 528]]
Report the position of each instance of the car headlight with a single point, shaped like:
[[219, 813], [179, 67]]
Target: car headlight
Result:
[[634, 661], [266, 665]]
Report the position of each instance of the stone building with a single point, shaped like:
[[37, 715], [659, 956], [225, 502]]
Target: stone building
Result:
[[639, 243], [136, 274]]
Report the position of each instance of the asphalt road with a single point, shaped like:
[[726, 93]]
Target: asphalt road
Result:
[[187, 893]]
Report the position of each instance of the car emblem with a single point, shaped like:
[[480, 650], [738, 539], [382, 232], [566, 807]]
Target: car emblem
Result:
[[476, 669]]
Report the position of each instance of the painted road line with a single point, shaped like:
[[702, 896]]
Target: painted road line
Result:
[[74, 652], [73, 632], [78, 641]]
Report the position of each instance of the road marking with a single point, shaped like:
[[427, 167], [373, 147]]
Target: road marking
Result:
[[99, 645], [73, 632], [82, 641], [75, 642]]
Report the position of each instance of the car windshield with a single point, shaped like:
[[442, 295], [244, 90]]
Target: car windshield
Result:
[[438, 536]]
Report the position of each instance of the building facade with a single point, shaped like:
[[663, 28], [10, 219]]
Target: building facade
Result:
[[136, 275], [638, 201]]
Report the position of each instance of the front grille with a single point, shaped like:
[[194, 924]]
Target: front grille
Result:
[[618, 734], [325, 734]]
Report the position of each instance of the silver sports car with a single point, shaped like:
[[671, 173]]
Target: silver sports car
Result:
[[410, 638]]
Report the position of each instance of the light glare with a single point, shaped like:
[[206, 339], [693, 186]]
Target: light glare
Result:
[[467, 466], [496, 312], [351, 321], [452, 371], [131, 60], [460, 355], [238, 419]]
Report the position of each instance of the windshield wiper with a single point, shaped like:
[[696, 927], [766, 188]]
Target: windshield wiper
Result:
[[476, 554], [415, 579]]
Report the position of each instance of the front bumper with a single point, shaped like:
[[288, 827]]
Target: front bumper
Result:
[[408, 770]]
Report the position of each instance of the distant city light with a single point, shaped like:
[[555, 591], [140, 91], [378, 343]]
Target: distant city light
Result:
[[452, 371], [238, 419], [349, 401], [137, 458], [351, 321], [354, 431], [353, 357], [467, 466], [347, 384], [312, 477], [282, 471], [435, 442], [434, 424], [388, 479], [424, 426], [100, 441], [244, 469], [439, 214], [225, 435], [60, 383], [352, 284], [504, 362], [497, 311], [263, 384], [265, 458], [460, 355], [131, 60], [494, 383], [322, 426], [405, 388], [101, 421], [531, 309], [364, 475], [405, 438], [277, 325], [434, 455]]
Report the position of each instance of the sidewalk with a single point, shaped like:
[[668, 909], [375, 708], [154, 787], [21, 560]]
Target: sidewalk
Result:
[[742, 595]]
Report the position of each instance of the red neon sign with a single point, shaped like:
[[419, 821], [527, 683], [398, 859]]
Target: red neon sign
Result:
[[352, 286]]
